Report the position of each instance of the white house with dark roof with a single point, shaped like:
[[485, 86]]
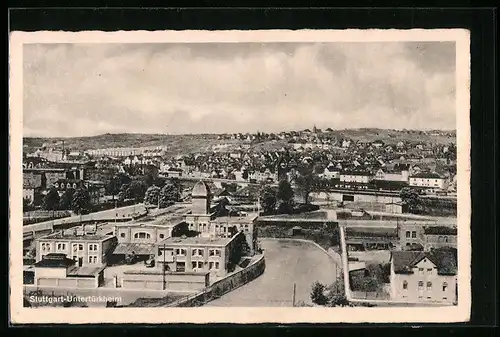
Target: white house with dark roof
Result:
[[428, 180], [424, 277]]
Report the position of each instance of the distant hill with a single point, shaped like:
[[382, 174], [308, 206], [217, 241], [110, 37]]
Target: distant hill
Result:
[[177, 144]]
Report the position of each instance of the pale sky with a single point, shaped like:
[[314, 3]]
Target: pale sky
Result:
[[91, 89]]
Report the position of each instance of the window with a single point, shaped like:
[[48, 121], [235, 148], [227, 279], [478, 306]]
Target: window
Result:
[[193, 265], [445, 286], [420, 285], [407, 234], [445, 239], [197, 252], [421, 271], [210, 265], [429, 286], [180, 252], [75, 247], [80, 246], [46, 247], [142, 235], [61, 246], [92, 259], [429, 270], [162, 236], [413, 234], [440, 239], [216, 265], [405, 285], [200, 265], [445, 298], [122, 235], [93, 247]]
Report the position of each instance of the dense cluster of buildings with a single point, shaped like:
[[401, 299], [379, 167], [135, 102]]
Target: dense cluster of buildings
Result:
[[188, 240]]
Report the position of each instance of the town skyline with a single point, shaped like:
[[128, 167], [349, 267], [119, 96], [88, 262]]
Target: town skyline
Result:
[[195, 88], [248, 132]]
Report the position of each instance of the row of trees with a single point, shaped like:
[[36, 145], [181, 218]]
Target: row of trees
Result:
[[165, 196], [77, 200]]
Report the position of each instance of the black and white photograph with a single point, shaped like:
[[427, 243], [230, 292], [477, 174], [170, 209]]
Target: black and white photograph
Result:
[[238, 177]]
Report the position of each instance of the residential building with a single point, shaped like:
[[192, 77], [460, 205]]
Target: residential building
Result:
[[356, 177], [424, 277], [85, 248], [428, 180]]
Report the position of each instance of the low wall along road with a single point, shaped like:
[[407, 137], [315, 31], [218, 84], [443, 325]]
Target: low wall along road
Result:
[[288, 261]]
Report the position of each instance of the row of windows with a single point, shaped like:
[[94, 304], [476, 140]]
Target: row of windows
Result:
[[142, 235], [198, 252], [200, 265], [444, 286], [60, 246]]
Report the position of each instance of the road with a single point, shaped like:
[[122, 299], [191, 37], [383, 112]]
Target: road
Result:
[[287, 262]]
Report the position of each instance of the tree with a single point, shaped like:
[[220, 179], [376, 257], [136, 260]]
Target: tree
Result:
[[152, 195], [51, 200], [285, 197], [244, 175], [305, 182], [411, 198], [81, 200], [136, 190], [66, 200], [268, 200], [318, 294], [336, 294], [170, 193], [114, 186]]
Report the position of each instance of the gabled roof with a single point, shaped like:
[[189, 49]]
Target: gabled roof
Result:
[[444, 259]]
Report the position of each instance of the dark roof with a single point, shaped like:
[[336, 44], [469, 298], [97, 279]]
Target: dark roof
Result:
[[440, 230], [427, 175], [55, 260], [444, 259], [356, 173], [32, 180]]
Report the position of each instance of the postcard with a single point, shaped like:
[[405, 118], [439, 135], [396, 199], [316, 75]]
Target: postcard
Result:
[[274, 176]]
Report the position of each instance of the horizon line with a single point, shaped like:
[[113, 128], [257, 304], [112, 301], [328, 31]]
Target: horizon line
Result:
[[229, 133]]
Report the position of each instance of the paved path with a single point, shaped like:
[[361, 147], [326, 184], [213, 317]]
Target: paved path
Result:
[[287, 262]]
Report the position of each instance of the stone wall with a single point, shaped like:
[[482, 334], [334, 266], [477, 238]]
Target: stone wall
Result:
[[224, 285]]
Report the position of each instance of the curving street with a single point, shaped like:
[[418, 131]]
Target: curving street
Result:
[[287, 262]]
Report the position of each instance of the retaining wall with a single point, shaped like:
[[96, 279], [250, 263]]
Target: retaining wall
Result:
[[224, 285]]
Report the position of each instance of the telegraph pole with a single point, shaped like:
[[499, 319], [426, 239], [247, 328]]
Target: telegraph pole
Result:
[[293, 297], [164, 267]]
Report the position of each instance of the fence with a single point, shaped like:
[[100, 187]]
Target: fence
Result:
[[369, 295], [223, 286]]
